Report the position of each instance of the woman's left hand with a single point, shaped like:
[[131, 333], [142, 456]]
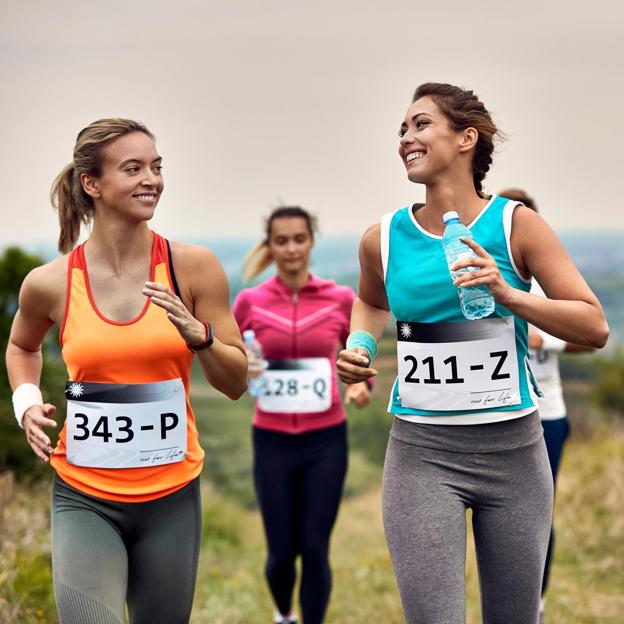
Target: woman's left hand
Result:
[[487, 273], [358, 394], [192, 331]]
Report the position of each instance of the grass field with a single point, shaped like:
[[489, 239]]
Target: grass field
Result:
[[587, 579]]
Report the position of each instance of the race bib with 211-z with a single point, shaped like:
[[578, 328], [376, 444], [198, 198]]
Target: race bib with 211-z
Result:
[[125, 425], [447, 367]]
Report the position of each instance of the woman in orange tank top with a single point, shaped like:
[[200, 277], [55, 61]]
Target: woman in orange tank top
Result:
[[126, 513]]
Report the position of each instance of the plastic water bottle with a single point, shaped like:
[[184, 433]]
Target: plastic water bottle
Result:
[[256, 385], [476, 301]]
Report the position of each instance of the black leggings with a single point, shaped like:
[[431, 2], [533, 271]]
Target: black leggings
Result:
[[106, 553], [299, 481]]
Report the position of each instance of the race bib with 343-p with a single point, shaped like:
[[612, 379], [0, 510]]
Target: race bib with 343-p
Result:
[[469, 365], [125, 425]]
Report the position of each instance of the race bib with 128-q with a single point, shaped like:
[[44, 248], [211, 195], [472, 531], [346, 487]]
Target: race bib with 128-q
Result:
[[297, 386]]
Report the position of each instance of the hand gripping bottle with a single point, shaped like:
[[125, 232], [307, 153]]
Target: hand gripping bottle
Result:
[[257, 364], [476, 301]]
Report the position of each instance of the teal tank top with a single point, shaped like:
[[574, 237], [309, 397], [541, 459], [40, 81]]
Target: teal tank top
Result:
[[420, 291]]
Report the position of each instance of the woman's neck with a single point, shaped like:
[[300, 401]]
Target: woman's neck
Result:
[[294, 281], [117, 245], [444, 197]]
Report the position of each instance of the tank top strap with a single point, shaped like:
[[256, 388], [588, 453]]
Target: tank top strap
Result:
[[384, 242], [77, 259], [159, 250]]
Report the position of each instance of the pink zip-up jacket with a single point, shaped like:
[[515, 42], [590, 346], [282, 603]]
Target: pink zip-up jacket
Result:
[[311, 323]]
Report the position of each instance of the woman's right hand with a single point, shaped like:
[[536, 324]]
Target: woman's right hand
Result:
[[353, 366], [35, 418]]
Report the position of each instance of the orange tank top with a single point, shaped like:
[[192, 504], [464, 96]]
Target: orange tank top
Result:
[[145, 349]]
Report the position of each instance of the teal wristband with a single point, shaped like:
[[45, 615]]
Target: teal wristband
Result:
[[364, 339]]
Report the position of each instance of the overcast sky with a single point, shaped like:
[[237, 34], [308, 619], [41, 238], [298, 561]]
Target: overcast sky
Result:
[[256, 103]]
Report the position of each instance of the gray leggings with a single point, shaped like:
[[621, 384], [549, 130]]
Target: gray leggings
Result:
[[105, 553], [432, 474]]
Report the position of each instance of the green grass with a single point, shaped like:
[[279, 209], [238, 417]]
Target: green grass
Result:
[[26, 594]]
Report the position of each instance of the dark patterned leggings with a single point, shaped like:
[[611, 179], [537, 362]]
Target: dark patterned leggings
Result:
[[106, 554]]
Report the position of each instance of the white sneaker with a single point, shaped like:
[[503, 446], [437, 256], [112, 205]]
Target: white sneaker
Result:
[[278, 618], [542, 610]]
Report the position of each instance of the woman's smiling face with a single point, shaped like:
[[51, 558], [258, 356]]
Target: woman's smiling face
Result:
[[131, 180], [428, 145]]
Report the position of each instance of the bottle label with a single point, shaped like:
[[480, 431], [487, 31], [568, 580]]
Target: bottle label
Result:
[[297, 386], [458, 366], [125, 425], [464, 255]]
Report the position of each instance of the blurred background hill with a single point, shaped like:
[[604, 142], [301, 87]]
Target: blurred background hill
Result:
[[599, 255]]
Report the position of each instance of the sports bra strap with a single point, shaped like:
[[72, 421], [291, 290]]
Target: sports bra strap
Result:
[[174, 282]]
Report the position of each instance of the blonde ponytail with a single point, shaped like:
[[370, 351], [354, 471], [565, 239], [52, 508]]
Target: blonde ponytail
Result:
[[256, 260], [74, 207]]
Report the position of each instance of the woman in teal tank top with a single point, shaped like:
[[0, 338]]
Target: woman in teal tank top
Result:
[[466, 433]]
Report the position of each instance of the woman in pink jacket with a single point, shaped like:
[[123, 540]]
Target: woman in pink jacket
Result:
[[299, 425]]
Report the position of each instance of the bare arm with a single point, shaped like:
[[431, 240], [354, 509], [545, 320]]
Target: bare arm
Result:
[[571, 347], [370, 309], [571, 312], [541, 340], [41, 297], [205, 290], [358, 394]]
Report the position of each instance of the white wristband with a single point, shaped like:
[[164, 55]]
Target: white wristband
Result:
[[550, 343], [26, 395]]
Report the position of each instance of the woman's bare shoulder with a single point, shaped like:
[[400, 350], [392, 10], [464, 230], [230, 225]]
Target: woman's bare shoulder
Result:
[[48, 279], [44, 289]]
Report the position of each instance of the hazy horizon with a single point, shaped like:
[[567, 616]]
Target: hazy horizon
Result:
[[594, 250]]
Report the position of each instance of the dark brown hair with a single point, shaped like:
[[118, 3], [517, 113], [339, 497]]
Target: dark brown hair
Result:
[[463, 110], [517, 194], [74, 206], [258, 258]]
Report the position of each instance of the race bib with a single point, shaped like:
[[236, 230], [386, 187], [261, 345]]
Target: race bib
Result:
[[125, 425], [543, 364], [468, 365], [297, 386]]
